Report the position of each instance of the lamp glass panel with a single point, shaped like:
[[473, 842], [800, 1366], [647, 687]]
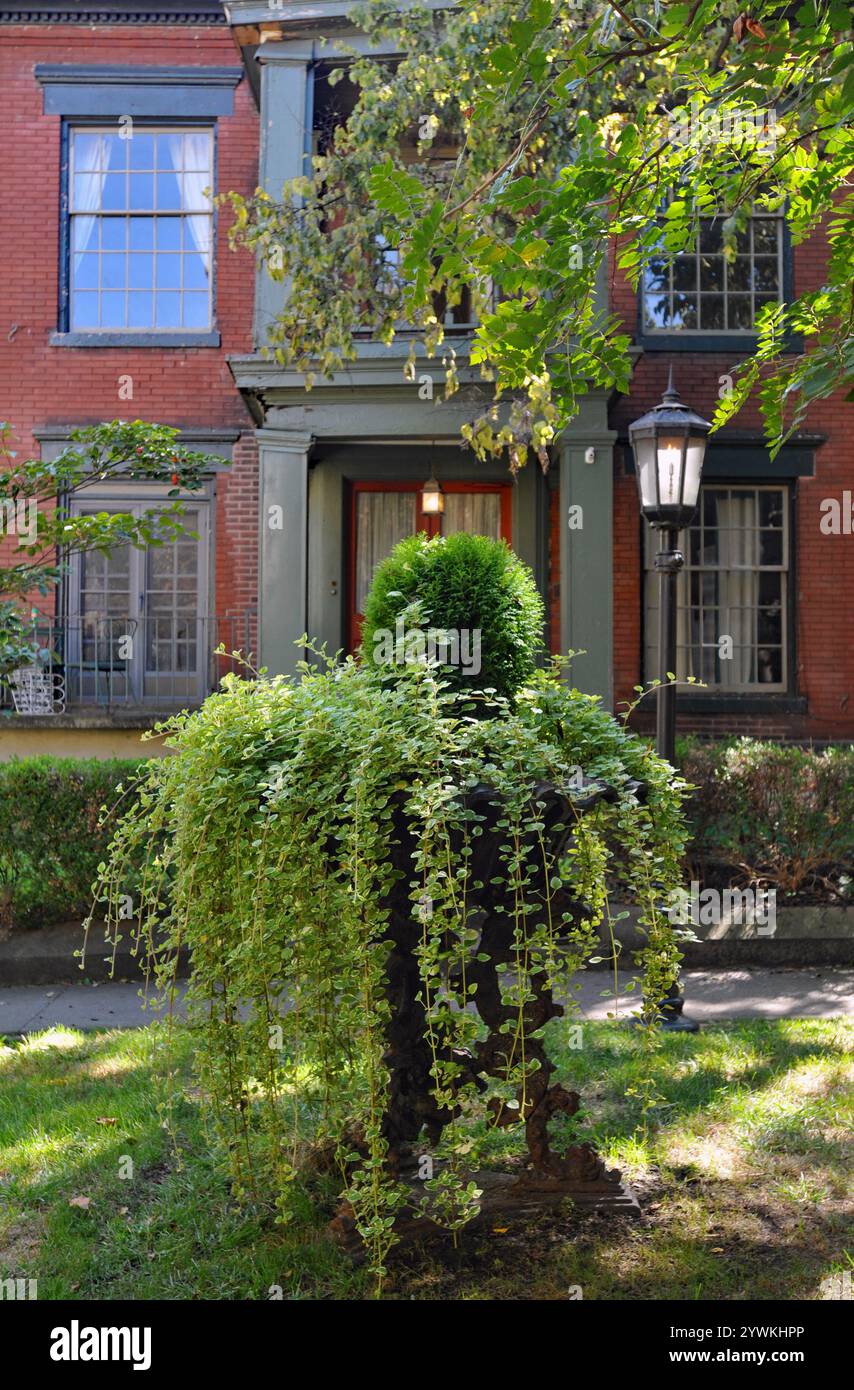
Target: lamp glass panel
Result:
[[645, 464], [693, 470], [432, 500]]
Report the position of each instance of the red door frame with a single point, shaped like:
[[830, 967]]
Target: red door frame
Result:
[[430, 525]]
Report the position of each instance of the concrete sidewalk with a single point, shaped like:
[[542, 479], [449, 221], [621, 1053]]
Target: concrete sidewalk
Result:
[[711, 996]]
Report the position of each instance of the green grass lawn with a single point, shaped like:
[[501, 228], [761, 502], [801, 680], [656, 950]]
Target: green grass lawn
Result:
[[741, 1169]]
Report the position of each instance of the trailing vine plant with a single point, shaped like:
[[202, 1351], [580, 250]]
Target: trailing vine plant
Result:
[[265, 845]]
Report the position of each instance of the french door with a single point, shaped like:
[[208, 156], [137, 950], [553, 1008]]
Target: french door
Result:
[[137, 618], [381, 514]]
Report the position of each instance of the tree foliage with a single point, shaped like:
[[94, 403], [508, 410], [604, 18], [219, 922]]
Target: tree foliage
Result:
[[510, 142]]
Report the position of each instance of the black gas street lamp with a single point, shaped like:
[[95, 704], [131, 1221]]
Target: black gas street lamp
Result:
[[669, 444]]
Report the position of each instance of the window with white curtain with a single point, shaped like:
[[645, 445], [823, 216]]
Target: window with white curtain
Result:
[[140, 236], [732, 593]]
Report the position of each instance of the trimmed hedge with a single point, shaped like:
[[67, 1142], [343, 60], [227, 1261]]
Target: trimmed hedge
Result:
[[772, 815], [460, 583], [50, 840], [763, 814]]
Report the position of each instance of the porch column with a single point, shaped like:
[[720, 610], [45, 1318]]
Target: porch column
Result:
[[286, 122], [586, 567], [282, 549]]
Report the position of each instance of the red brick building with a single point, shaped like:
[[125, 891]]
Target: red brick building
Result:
[[801, 684], [156, 346], [119, 297]]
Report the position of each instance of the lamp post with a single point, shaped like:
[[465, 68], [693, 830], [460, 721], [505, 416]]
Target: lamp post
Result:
[[669, 444]]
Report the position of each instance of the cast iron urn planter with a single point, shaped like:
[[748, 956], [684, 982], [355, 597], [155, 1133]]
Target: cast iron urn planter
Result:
[[414, 1119]]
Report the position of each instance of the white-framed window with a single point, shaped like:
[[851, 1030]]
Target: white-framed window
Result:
[[714, 290], [140, 229], [732, 618]]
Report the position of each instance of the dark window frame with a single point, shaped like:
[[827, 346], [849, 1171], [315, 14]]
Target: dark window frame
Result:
[[130, 337], [743, 342]]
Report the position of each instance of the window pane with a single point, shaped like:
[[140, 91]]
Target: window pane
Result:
[[168, 192], [140, 310], [738, 274], [113, 271], [142, 191], [711, 237], [90, 150], [141, 150], [656, 311], [657, 276], [685, 273], [112, 310], [765, 273], [168, 233], [168, 310], [85, 233], [738, 311], [113, 234], [116, 153], [114, 193], [140, 271], [765, 234], [84, 310], [195, 272], [168, 272], [196, 311], [86, 272], [711, 311], [711, 273], [141, 235]]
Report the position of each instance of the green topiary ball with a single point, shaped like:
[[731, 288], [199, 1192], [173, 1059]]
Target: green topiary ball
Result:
[[465, 601]]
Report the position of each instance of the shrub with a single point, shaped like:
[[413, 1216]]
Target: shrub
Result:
[[50, 840], [459, 584], [772, 814], [279, 816]]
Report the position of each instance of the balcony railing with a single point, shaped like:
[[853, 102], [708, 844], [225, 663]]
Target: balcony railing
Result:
[[112, 662]]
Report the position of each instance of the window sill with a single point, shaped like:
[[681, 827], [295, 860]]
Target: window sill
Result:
[[93, 717], [141, 340], [729, 702], [709, 342]]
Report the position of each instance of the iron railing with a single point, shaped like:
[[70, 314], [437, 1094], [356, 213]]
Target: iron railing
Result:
[[112, 661]]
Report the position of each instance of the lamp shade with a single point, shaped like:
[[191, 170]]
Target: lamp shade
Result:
[[669, 444]]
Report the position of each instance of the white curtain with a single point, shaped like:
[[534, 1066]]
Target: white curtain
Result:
[[192, 153], [90, 159], [479, 513], [382, 519], [738, 597]]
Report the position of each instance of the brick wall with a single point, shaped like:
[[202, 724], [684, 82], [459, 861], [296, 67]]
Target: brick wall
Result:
[[40, 384], [824, 565]]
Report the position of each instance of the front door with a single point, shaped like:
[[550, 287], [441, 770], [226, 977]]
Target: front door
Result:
[[384, 513]]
